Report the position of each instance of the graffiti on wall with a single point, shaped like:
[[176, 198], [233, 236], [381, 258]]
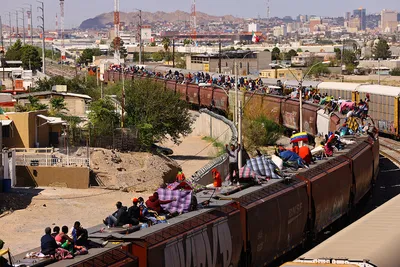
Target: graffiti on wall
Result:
[[386, 126], [198, 249], [290, 119]]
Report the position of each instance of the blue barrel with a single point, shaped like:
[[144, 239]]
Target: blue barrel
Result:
[[6, 185]]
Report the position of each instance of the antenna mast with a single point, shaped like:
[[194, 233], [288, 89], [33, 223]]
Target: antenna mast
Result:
[[116, 30], [193, 22], [63, 57]]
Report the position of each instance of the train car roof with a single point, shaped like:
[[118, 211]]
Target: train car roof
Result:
[[375, 237], [295, 83], [338, 86], [379, 90]]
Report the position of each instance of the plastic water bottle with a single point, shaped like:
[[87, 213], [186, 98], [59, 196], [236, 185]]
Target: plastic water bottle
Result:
[[144, 226]]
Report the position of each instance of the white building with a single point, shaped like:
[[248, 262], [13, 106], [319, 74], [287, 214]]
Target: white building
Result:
[[389, 21], [253, 27], [280, 31]]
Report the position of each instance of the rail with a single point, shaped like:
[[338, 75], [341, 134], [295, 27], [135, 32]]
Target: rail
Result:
[[51, 161], [390, 149], [197, 176], [45, 150]]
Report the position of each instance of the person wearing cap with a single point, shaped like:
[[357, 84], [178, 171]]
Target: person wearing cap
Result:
[[134, 212]]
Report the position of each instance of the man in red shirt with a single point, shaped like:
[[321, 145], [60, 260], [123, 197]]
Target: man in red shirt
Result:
[[154, 203]]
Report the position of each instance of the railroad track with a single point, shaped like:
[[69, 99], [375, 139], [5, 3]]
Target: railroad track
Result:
[[390, 149]]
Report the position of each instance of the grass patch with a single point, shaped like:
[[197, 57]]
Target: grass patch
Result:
[[218, 145]]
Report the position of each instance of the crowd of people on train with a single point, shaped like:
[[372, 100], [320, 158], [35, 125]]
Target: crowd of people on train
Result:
[[58, 244]]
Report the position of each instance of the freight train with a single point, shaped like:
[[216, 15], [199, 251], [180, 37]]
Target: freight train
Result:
[[372, 241], [250, 227], [383, 105]]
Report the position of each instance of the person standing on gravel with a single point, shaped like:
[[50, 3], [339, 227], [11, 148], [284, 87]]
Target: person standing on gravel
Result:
[[233, 163]]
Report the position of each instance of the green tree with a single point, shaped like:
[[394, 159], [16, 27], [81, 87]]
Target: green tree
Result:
[[156, 113], [395, 72], [187, 42], [103, 117], [318, 70], [299, 50], [57, 105], [276, 53], [180, 61], [34, 104], [88, 54], [30, 58], [153, 44], [15, 51], [267, 50], [261, 132], [349, 57], [290, 54], [338, 53], [102, 42], [158, 56], [166, 42], [381, 50]]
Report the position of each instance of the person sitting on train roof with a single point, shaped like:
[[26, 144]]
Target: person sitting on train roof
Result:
[[295, 148], [63, 236], [118, 218], [154, 203], [80, 234], [305, 154], [134, 212], [48, 245], [290, 157], [56, 231]]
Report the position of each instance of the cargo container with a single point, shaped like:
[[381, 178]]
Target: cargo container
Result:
[[290, 114], [193, 94]]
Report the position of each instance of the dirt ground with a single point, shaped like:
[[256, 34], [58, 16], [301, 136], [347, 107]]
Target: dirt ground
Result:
[[35, 209]]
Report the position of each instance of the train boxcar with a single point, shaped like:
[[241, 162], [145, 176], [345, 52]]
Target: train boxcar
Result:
[[206, 96], [342, 90], [361, 157], [221, 99], [310, 118], [171, 85], [193, 94], [330, 188], [290, 113], [372, 241], [383, 106], [181, 89], [274, 219], [208, 237]]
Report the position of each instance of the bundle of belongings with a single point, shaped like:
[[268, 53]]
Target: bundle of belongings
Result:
[[260, 169]]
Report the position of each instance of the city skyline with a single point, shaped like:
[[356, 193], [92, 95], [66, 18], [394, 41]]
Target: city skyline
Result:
[[82, 10]]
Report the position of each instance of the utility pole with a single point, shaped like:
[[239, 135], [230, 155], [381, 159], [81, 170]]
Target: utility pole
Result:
[[123, 98], [9, 17], [2, 48], [240, 158], [29, 13], [16, 20], [23, 23], [219, 59], [379, 71], [341, 59], [140, 37], [235, 113], [173, 52], [41, 8]]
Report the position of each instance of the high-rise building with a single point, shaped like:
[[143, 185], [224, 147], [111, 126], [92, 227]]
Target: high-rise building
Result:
[[347, 16], [388, 21], [361, 13], [314, 21]]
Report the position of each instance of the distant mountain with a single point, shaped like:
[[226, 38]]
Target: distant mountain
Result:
[[105, 19]]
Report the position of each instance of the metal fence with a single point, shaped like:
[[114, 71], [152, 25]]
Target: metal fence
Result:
[[51, 161]]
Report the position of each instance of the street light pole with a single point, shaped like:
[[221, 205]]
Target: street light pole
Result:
[[235, 113], [379, 71], [240, 156], [123, 98]]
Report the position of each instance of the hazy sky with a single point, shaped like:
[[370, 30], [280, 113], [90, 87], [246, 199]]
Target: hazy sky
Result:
[[78, 10]]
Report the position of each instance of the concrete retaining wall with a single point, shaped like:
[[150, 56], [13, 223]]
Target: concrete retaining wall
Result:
[[221, 129], [71, 177]]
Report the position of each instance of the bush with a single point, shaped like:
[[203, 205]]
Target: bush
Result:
[[395, 72], [261, 132]]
